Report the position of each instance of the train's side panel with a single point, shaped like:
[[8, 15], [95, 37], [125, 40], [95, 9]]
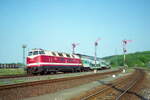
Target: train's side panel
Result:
[[42, 63], [52, 60]]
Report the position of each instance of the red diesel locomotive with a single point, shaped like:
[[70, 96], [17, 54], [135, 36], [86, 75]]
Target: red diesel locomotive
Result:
[[41, 61]]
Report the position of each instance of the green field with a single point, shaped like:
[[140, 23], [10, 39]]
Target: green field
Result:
[[14, 71]]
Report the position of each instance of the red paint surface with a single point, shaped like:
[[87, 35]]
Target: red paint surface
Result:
[[52, 59], [51, 65]]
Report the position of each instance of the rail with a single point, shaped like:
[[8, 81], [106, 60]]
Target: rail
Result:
[[134, 80]]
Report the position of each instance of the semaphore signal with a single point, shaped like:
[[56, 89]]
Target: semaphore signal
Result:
[[125, 42], [73, 47], [95, 54]]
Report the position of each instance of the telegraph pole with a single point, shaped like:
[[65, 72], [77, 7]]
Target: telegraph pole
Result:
[[24, 47]]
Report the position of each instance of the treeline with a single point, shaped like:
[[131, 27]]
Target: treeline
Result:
[[138, 59]]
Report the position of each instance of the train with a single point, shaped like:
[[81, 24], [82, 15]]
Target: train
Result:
[[40, 61], [9, 65]]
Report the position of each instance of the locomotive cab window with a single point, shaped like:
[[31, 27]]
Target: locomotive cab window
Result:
[[35, 53], [41, 52]]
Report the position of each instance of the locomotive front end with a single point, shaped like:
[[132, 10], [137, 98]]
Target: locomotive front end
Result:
[[33, 61]]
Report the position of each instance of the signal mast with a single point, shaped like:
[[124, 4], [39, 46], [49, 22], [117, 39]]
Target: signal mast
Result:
[[73, 47], [24, 47], [95, 54], [125, 50]]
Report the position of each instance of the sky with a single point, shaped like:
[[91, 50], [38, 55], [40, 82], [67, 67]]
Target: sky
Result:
[[55, 24]]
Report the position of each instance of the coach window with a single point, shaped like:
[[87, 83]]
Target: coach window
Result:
[[35, 53]]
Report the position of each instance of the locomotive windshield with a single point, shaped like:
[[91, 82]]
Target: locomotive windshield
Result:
[[41, 52], [35, 53]]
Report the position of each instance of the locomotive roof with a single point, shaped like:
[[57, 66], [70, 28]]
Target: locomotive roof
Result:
[[55, 53]]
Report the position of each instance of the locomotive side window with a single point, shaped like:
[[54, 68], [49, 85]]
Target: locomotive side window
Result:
[[60, 54], [73, 56], [68, 55], [53, 54], [35, 53], [30, 53]]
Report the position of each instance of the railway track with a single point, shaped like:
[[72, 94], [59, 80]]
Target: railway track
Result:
[[14, 76], [29, 89], [15, 79], [26, 75], [124, 89]]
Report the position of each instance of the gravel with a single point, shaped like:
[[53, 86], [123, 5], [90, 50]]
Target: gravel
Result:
[[67, 94], [145, 91], [45, 77]]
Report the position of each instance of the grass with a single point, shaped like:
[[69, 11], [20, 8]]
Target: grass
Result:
[[13, 71]]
